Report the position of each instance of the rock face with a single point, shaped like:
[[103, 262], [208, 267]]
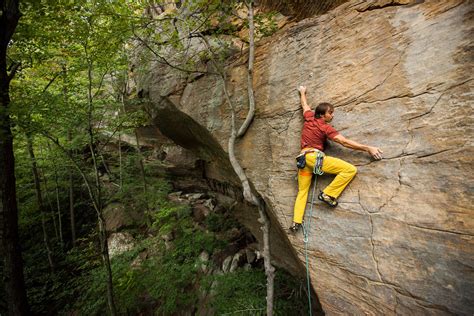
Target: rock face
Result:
[[300, 9], [400, 76]]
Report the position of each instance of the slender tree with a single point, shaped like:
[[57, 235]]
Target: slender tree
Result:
[[46, 190], [39, 199], [58, 207], [10, 247], [264, 218], [72, 214], [249, 194], [174, 43], [98, 192], [83, 51]]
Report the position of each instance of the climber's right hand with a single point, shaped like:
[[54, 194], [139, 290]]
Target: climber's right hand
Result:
[[302, 89]]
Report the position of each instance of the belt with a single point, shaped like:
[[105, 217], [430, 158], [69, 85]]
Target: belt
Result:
[[307, 150]]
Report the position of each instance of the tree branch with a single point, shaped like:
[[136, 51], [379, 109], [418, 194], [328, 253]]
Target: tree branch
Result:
[[74, 162], [13, 69], [251, 112], [51, 81], [163, 60], [247, 191]]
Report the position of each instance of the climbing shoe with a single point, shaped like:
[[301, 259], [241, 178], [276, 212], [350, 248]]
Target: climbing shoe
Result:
[[329, 200], [295, 227]]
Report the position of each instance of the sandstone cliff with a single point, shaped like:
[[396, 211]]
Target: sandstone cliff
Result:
[[400, 76]]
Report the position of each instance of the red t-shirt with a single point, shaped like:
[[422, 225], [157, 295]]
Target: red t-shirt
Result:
[[316, 132]]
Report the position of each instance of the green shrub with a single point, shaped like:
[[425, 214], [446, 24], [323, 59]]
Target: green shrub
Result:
[[167, 280], [161, 280], [244, 293], [216, 222]]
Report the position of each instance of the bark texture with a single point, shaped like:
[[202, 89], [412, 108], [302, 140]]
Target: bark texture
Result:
[[10, 247]]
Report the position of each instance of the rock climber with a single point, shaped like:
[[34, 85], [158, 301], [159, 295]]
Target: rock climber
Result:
[[316, 132]]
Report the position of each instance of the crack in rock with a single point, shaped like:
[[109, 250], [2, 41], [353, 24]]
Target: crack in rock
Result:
[[285, 126], [444, 231], [376, 263], [396, 190], [402, 96], [376, 86], [430, 90], [427, 112], [394, 287], [436, 153], [378, 6], [412, 136], [279, 114]]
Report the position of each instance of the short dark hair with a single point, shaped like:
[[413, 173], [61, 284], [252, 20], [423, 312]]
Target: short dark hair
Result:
[[322, 108]]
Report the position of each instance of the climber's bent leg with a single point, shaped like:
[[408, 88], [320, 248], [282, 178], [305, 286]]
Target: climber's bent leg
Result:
[[345, 173], [304, 182]]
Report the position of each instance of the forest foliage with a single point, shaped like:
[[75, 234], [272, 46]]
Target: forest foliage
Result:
[[73, 99]]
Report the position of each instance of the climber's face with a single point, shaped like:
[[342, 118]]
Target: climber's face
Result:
[[328, 116]]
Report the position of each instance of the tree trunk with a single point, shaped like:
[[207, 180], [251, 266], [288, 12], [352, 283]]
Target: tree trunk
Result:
[[123, 94], [58, 205], [71, 209], [142, 167], [10, 247], [48, 200], [120, 158], [39, 199], [248, 193], [269, 269], [103, 234], [57, 227], [72, 215], [42, 175], [106, 259], [143, 174], [12, 259], [98, 201], [264, 220]]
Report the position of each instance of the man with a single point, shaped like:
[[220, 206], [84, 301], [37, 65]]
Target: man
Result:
[[316, 132]]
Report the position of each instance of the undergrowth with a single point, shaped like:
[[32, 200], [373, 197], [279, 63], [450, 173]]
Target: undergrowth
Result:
[[162, 274]]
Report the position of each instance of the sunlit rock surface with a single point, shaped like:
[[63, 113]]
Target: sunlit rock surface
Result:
[[119, 243], [400, 76]]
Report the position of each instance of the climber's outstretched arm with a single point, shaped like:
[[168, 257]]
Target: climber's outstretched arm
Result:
[[373, 151], [304, 104]]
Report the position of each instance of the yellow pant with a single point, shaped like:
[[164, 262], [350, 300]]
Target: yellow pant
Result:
[[345, 173]]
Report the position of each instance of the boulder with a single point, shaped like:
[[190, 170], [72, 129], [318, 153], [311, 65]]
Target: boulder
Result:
[[119, 243], [117, 216], [226, 264], [250, 256], [237, 261], [200, 212], [204, 261]]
